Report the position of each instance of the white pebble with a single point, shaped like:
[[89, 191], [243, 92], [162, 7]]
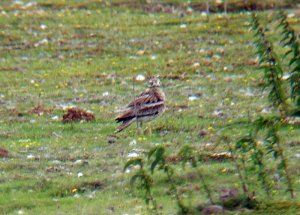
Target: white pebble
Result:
[[43, 26], [106, 93], [133, 142], [76, 196], [80, 174], [193, 98], [132, 155], [30, 157], [153, 57], [196, 64], [20, 212], [140, 77], [55, 117]]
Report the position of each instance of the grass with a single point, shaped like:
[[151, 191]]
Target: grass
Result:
[[58, 56]]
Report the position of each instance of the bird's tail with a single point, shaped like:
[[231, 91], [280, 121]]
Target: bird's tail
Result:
[[124, 125]]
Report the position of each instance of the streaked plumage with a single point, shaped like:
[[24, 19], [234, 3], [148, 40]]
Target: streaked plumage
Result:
[[147, 106]]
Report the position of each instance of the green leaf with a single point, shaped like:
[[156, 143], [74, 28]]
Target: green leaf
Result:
[[296, 69], [145, 180], [154, 164], [188, 154], [159, 157], [281, 165], [296, 49], [158, 150], [286, 36], [244, 143], [134, 162], [287, 53], [151, 152], [139, 175]]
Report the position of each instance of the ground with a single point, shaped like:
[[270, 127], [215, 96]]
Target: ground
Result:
[[54, 56]]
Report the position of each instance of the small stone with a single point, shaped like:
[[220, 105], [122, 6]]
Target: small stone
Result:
[[204, 13], [43, 26], [216, 56], [248, 92], [266, 110], [76, 196], [202, 133], [140, 52], [133, 142], [55, 117], [56, 162], [106, 93], [133, 155], [91, 195], [228, 68], [30, 157], [202, 50], [78, 162], [212, 209], [297, 155], [183, 25], [42, 42], [111, 139], [193, 97], [140, 77], [228, 193], [20, 212], [153, 57], [218, 113], [196, 64], [189, 10]]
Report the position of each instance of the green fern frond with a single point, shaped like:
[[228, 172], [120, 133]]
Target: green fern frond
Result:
[[289, 40], [270, 63]]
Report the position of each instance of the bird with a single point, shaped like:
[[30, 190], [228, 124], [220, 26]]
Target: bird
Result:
[[147, 106]]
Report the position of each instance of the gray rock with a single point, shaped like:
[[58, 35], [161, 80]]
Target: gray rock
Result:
[[212, 209]]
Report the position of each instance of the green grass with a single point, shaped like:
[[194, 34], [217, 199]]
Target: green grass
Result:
[[60, 56]]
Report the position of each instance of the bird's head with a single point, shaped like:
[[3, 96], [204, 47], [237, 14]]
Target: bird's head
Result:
[[154, 82]]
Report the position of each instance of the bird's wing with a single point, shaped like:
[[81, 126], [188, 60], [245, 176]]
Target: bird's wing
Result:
[[151, 109], [141, 111], [143, 99], [146, 104], [124, 125]]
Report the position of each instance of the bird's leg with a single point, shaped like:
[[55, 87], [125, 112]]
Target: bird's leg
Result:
[[150, 130], [139, 126]]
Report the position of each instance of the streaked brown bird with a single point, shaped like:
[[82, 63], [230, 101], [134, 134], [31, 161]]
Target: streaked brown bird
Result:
[[146, 107]]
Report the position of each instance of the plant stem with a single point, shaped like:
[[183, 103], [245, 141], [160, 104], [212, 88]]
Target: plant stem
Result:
[[205, 186], [272, 67], [154, 204], [285, 167], [262, 175], [237, 166], [184, 209]]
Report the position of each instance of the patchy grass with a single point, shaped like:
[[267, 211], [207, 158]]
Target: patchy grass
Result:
[[54, 56]]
